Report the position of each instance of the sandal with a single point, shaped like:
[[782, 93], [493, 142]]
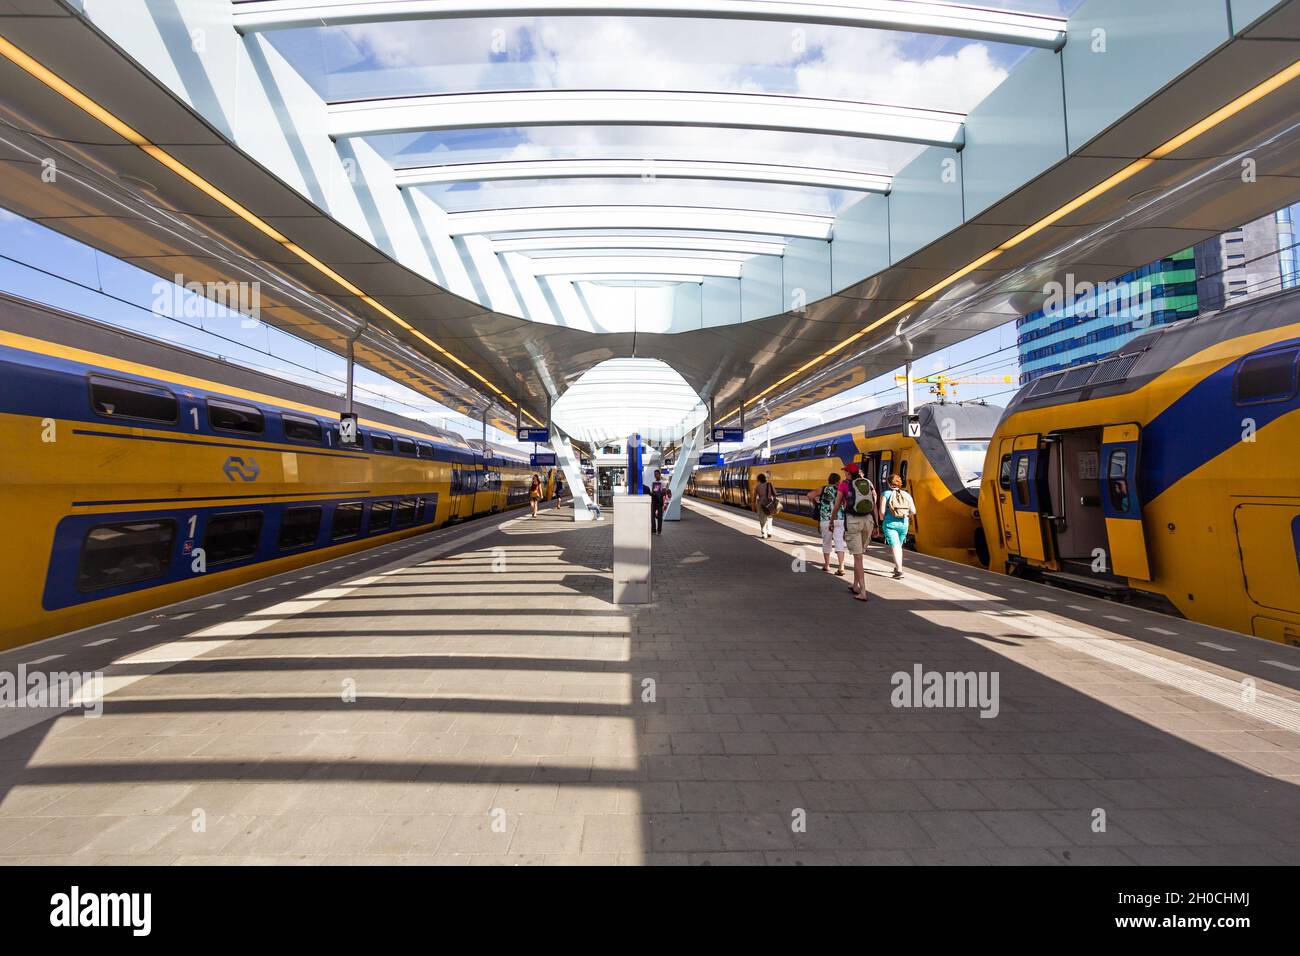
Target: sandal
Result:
[[839, 573]]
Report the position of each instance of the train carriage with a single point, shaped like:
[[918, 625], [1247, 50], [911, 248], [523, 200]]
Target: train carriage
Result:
[[1166, 473], [137, 474], [941, 468]]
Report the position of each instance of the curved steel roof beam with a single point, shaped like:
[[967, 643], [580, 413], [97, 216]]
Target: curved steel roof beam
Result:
[[766, 111], [695, 278], [703, 218], [632, 252], [913, 16], [648, 169], [640, 265], [560, 243]]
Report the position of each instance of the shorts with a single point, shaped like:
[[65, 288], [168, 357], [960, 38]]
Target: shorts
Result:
[[857, 532], [895, 532], [832, 536]]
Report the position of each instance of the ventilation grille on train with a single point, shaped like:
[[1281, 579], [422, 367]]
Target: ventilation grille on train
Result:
[[1076, 378], [1045, 385], [1105, 372], [1114, 369]]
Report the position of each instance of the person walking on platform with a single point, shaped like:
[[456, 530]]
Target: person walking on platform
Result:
[[857, 497], [766, 505], [831, 522], [660, 495], [534, 495], [896, 510]]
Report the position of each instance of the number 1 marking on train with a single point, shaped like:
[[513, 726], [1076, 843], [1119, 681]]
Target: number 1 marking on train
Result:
[[194, 414]]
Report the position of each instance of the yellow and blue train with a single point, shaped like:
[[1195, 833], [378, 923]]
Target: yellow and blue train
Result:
[[136, 474], [1167, 473], [941, 467]]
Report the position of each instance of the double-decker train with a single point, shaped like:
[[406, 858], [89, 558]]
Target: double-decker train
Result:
[[940, 466], [1166, 473], [136, 474]]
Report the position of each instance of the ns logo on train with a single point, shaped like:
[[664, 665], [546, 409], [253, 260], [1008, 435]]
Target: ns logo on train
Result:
[[237, 467]]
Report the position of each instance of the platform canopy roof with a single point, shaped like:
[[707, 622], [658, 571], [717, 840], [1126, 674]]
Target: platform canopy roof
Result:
[[691, 121]]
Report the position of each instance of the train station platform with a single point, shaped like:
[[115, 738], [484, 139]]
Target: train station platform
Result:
[[471, 696]]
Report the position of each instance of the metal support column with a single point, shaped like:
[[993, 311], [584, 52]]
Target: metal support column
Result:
[[567, 457], [687, 459], [907, 384]]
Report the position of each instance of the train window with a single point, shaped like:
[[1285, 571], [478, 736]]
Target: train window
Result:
[[1022, 479], [902, 471], [302, 429], [406, 509], [424, 449], [124, 553], [1004, 473], [113, 398], [1117, 481], [405, 446], [1267, 378], [230, 417], [232, 537], [347, 520], [380, 442], [299, 528], [381, 516]]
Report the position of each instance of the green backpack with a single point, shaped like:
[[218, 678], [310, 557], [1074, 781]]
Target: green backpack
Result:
[[864, 496]]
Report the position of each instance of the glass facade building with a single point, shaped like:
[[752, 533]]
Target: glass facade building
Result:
[[1083, 322]]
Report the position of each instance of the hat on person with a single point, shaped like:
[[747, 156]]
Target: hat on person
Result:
[[851, 468]]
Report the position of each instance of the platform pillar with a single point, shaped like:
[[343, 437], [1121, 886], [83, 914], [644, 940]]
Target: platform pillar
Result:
[[632, 549]]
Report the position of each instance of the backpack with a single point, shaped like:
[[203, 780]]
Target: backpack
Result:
[[827, 501], [901, 504], [864, 496]]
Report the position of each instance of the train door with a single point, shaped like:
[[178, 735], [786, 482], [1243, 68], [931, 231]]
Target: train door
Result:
[[462, 493], [1120, 451], [1006, 513], [884, 471], [483, 494], [1027, 495], [870, 465]]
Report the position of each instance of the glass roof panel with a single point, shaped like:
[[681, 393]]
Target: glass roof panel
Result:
[[641, 143], [365, 61], [511, 194]]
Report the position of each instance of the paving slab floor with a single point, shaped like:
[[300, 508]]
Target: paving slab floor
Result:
[[471, 696]]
